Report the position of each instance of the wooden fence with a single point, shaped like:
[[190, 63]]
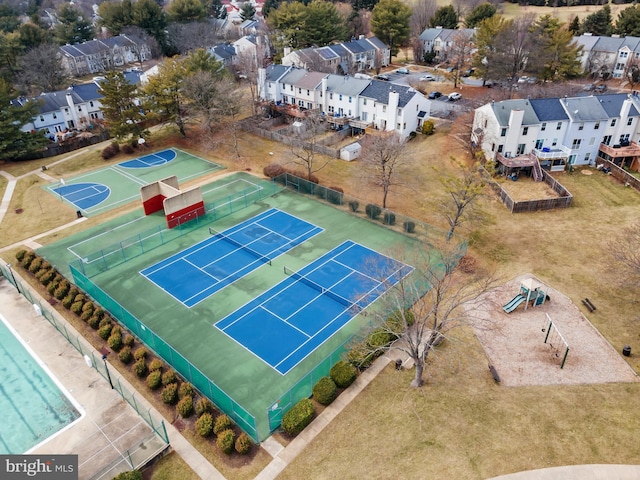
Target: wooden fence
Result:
[[563, 201], [620, 174]]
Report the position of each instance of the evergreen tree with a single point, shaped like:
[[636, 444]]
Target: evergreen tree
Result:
[[247, 12], [445, 17], [14, 143], [9, 18], [287, 20], [163, 94], [73, 27], [323, 24], [32, 35], [116, 15], [557, 57], [215, 9], [390, 23], [186, 11], [599, 23], [574, 26], [628, 23], [202, 61], [148, 15], [120, 111], [482, 11], [364, 5], [268, 6]]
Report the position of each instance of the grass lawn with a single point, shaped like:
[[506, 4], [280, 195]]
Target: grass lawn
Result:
[[460, 424]]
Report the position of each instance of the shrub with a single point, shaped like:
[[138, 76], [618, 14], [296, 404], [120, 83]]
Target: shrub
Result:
[[225, 441], [61, 290], [169, 377], [155, 364], [99, 312], [132, 475], [223, 422], [361, 357], [273, 170], [104, 321], [343, 374], [409, 227], [389, 218], [428, 127], [115, 340], [324, 391], [80, 298], [88, 307], [125, 355], [353, 205], [170, 394], [140, 353], [67, 302], [27, 259], [35, 264], [76, 307], [94, 322], [379, 338], [313, 179], [73, 292], [185, 406], [51, 288], [412, 135], [105, 331], [47, 276], [243, 444], [300, 415], [154, 380], [203, 405], [126, 148], [373, 211], [185, 390], [129, 340], [396, 323], [204, 424], [108, 152], [116, 146], [85, 316], [140, 368], [20, 255]]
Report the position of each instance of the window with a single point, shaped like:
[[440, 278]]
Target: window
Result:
[[364, 101], [291, 87], [404, 126], [576, 144], [500, 148], [54, 115], [624, 138], [399, 111], [285, 99], [555, 142], [485, 123], [79, 108], [629, 122], [300, 103], [269, 85], [592, 140], [340, 97], [559, 126], [543, 127], [364, 116], [520, 150], [66, 110], [581, 126], [606, 139], [299, 91], [619, 66], [384, 108], [503, 132], [624, 54], [41, 118], [397, 126], [330, 109], [493, 147], [309, 105], [307, 93], [587, 157], [539, 144], [596, 126], [91, 103], [613, 122], [525, 130], [320, 93], [331, 96], [349, 99]]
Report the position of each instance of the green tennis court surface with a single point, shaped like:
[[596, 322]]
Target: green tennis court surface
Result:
[[110, 187], [239, 381]]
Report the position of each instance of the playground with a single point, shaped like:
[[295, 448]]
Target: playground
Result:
[[515, 342]]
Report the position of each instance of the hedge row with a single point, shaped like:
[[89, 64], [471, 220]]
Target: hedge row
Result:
[[154, 373]]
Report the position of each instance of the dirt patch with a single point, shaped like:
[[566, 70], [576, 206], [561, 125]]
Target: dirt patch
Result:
[[526, 189], [514, 343]]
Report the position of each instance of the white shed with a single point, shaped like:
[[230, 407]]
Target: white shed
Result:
[[350, 152]]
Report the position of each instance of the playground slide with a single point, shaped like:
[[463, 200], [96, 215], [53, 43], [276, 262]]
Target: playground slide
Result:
[[513, 303]]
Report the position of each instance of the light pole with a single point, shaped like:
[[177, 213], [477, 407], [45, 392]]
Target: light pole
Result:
[[13, 278], [106, 369]]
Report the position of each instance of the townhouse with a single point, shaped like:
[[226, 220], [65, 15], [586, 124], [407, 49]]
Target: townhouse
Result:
[[358, 55], [344, 101], [440, 41], [556, 132], [608, 55]]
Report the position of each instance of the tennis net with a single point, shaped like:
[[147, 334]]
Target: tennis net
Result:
[[242, 246], [316, 286]]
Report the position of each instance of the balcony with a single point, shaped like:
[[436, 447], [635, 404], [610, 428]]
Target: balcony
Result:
[[552, 153], [291, 110], [618, 151], [340, 120], [361, 124]]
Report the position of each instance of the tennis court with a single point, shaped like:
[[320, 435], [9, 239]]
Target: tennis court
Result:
[[286, 323], [203, 269], [110, 187]]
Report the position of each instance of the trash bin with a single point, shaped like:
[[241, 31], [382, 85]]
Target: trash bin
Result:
[[398, 364], [78, 213], [626, 350]]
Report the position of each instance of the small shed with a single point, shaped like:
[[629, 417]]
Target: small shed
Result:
[[350, 152]]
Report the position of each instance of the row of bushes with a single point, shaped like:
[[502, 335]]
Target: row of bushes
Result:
[[154, 372], [114, 149]]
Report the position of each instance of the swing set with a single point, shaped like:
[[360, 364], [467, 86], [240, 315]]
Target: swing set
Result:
[[558, 345]]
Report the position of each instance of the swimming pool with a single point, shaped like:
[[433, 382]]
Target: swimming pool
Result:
[[34, 405]]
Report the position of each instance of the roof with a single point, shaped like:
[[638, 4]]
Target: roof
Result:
[[339, 50], [612, 104], [549, 109], [327, 53], [87, 91], [354, 46], [346, 85], [584, 109], [587, 41], [311, 80], [608, 44], [502, 111], [430, 34], [275, 72], [379, 91], [376, 42]]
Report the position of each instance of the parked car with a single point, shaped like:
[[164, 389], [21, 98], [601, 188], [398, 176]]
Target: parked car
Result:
[[468, 72], [428, 78], [601, 88], [403, 70], [434, 95], [588, 87], [453, 96], [384, 77]]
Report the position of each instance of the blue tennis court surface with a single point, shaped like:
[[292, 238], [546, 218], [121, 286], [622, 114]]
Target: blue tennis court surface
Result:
[[151, 160], [201, 270], [289, 321], [84, 195]]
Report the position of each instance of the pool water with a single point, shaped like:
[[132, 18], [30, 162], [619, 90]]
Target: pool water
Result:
[[33, 406]]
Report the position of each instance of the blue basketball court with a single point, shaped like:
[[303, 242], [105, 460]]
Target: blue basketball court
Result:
[[203, 269], [151, 160], [288, 322]]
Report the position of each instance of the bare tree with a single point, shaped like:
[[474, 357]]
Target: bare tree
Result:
[[625, 253], [248, 63], [463, 193], [383, 158], [202, 89], [230, 106], [423, 10], [305, 143], [632, 72], [41, 70], [420, 320], [142, 42], [461, 53], [191, 36]]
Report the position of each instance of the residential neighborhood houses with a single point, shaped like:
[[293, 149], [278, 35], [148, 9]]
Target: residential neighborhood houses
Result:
[[560, 132], [345, 100]]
